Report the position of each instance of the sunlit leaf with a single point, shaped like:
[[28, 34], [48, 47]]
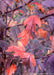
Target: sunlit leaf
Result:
[[11, 70], [42, 33], [39, 67], [31, 26], [30, 22], [24, 37], [20, 45], [18, 1], [48, 52], [12, 23], [17, 51]]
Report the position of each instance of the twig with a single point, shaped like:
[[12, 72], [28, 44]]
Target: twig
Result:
[[11, 15], [40, 18], [23, 6], [48, 15], [17, 25], [4, 34], [17, 7], [10, 18]]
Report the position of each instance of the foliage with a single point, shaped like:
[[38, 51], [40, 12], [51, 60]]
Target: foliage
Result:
[[26, 37]]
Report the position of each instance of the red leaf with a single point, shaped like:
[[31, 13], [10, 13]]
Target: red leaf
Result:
[[11, 70], [43, 22], [39, 6], [32, 20], [25, 55], [22, 11], [42, 33], [24, 37], [31, 26], [17, 51], [51, 37], [50, 11], [28, 59]]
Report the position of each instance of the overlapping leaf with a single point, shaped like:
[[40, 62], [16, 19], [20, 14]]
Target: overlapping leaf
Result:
[[17, 51], [29, 59], [23, 54], [24, 37], [11, 70], [31, 27]]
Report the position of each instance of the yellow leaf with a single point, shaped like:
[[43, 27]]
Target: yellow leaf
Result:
[[48, 52], [20, 45], [39, 67], [12, 23]]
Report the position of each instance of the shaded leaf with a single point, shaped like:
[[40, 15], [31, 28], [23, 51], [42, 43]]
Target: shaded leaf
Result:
[[20, 45], [39, 6], [24, 37], [29, 58], [22, 12], [4, 45]]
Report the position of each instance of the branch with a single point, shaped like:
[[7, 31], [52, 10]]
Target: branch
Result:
[[48, 15], [40, 18], [4, 34], [18, 7], [17, 25]]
